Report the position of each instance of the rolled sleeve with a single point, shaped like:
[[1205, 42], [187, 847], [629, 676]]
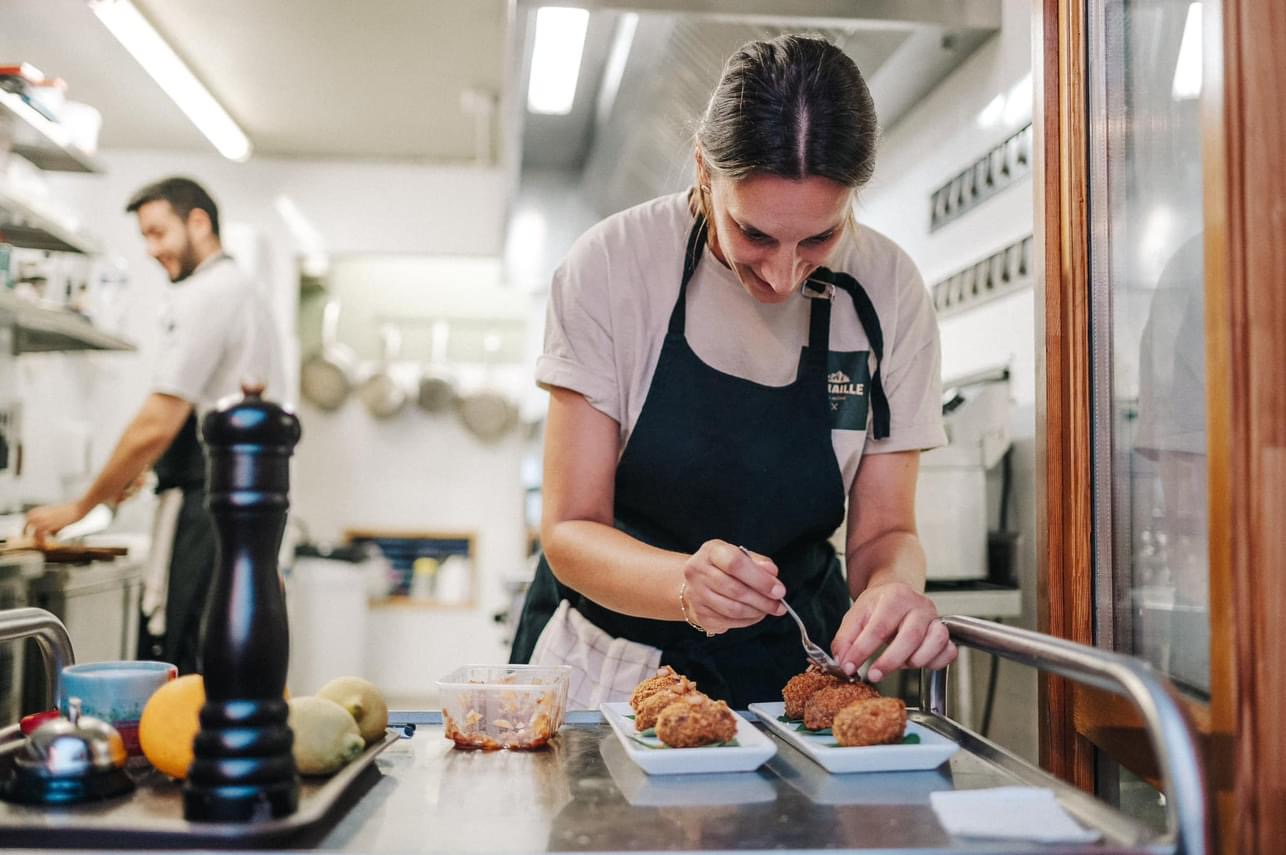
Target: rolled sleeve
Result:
[[579, 349], [912, 376]]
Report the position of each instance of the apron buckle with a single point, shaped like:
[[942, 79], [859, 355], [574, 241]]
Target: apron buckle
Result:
[[817, 289]]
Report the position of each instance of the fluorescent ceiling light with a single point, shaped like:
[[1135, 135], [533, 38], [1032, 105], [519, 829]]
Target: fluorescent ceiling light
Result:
[[555, 61], [160, 61], [1187, 70]]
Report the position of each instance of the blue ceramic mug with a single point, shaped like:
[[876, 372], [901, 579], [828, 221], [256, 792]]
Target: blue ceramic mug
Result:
[[115, 692]]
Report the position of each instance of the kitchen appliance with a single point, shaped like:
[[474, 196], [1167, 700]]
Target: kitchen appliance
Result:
[[951, 495], [326, 378]]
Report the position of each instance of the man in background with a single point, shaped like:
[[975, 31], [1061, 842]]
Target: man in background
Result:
[[216, 333]]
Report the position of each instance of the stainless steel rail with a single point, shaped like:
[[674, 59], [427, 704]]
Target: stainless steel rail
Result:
[[1164, 718], [50, 636]]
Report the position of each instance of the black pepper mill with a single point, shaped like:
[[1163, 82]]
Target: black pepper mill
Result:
[[243, 769]]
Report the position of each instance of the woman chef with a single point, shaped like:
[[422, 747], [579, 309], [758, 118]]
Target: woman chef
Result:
[[729, 367]]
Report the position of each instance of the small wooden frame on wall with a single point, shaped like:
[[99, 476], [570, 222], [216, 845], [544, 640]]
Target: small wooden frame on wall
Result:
[[428, 569]]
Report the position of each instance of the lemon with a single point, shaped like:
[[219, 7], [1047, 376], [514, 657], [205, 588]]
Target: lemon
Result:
[[326, 736], [364, 703]]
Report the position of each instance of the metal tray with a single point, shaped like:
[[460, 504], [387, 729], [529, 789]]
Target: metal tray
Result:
[[152, 816]]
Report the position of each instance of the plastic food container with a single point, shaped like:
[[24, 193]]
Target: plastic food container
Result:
[[504, 706]]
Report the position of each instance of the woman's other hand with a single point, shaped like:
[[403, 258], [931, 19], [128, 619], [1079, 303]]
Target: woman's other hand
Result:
[[897, 614], [727, 589]]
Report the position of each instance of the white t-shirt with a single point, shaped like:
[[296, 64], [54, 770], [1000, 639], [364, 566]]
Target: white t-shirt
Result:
[[610, 305], [216, 333]]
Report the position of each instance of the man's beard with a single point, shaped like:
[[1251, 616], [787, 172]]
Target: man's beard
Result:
[[187, 263]]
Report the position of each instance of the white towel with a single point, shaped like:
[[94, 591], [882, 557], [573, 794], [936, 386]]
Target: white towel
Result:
[[156, 570], [604, 668], [1008, 813]]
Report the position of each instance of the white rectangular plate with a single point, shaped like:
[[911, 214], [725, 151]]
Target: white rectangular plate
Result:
[[934, 748], [656, 758]]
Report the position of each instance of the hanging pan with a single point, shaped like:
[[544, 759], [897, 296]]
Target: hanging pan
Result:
[[382, 392], [326, 378], [488, 413], [437, 386]]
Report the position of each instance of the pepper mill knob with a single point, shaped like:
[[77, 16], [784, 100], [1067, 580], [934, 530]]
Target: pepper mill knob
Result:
[[243, 770]]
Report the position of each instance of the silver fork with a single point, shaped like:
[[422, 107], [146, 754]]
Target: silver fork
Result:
[[815, 653]]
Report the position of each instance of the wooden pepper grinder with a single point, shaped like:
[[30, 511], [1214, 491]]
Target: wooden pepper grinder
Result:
[[243, 769]]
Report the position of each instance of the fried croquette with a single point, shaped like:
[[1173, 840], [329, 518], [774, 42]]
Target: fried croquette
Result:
[[646, 714], [801, 687], [664, 678], [823, 705], [696, 720], [875, 721]]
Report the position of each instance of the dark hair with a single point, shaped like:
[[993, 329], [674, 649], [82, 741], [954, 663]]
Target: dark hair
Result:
[[184, 196], [795, 106]]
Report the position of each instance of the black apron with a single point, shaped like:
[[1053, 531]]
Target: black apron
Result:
[[717, 456], [192, 559]]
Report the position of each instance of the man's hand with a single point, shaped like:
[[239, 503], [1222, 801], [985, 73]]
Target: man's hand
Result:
[[131, 489], [48, 520]]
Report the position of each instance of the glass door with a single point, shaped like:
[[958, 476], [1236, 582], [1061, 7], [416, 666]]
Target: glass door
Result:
[[1148, 382], [1147, 328]]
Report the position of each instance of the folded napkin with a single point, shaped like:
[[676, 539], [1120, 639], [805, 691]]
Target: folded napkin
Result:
[[1010, 813]]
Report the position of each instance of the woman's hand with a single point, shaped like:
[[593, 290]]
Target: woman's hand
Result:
[[726, 589], [898, 614]]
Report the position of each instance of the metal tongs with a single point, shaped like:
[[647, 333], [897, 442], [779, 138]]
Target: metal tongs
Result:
[[815, 653]]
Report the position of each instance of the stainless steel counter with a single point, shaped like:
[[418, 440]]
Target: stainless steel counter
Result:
[[583, 794]]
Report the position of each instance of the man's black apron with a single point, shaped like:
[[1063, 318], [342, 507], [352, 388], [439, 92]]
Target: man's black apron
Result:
[[717, 456], [192, 559]]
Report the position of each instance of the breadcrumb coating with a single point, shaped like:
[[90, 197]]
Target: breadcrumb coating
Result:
[[696, 720], [645, 715], [822, 706], [665, 678], [801, 687], [876, 721]]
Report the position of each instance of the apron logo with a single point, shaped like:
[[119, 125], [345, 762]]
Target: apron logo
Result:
[[848, 376]]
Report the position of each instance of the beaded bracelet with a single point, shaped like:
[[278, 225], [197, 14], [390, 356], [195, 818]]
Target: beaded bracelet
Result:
[[683, 606]]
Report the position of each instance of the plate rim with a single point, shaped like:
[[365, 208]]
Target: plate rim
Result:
[[833, 757], [764, 749]]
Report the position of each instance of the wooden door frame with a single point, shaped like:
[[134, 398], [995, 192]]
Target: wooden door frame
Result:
[[1243, 134]]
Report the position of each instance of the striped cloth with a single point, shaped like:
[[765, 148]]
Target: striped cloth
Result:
[[604, 669]]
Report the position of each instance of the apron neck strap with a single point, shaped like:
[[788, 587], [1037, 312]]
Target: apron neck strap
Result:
[[870, 321]]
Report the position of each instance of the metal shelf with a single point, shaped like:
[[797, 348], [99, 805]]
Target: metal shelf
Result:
[[37, 329], [44, 143], [22, 225]]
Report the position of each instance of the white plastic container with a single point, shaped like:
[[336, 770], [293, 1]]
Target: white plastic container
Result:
[[504, 706]]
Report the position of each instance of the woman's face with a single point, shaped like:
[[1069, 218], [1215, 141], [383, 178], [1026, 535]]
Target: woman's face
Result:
[[774, 232]]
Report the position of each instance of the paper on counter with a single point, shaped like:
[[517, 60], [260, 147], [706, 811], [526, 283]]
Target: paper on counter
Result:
[[1009, 813]]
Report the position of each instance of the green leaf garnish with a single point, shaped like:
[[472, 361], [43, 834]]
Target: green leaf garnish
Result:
[[824, 731], [909, 739]]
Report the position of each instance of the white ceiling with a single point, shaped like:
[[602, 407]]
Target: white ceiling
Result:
[[375, 79], [382, 79]]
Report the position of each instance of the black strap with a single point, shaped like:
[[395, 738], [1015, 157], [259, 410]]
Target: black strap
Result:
[[818, 324], [870, 321], [691, 258]]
